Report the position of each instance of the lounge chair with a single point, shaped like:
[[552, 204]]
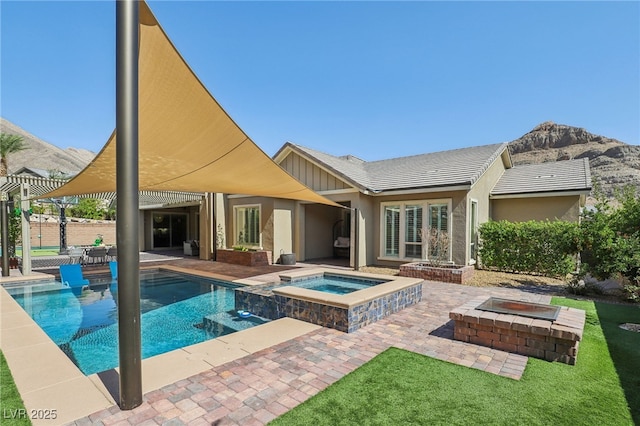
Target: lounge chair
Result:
[[113, 267], [71, 276]]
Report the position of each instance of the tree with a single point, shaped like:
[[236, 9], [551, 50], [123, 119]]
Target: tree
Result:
[[9, 144], [89, 208], [57, 174]]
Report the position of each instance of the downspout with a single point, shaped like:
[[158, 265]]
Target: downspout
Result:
[[356, 235]]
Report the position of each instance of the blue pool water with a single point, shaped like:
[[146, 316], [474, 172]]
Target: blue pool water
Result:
[[334, 284], [83, 323]]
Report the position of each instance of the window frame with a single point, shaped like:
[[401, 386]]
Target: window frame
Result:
[[473, 228], [235, 225], [425, 204]]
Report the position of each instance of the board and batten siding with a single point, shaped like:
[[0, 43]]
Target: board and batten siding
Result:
[[310, 174]]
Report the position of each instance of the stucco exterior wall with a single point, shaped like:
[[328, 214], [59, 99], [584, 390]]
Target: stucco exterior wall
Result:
[[283, 222], [480, 192], [536, 208]]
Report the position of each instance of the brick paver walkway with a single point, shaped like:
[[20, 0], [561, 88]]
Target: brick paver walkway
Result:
[[257, 388]]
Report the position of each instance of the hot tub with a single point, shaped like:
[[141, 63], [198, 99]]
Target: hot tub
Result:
[[346, 310]]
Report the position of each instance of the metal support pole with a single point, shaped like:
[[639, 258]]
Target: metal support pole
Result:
[[25, 206], [4, 221], [40, 220], [127, 226], [63, 231]]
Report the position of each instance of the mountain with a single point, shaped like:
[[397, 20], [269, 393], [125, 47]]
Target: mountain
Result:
[[43, 155], [613, 164]]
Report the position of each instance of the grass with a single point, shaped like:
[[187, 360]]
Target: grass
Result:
[[400, 387], [10, 399], [40, 252]]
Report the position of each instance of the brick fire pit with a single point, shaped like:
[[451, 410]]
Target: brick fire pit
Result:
[[552, 340]]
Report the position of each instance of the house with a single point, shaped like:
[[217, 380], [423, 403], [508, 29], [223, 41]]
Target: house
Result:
[[388, 204]]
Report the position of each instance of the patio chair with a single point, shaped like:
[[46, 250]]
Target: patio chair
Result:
[[191, 248], [97, 255], [341, 247], [112, 253], [71, 276], [76, 255]]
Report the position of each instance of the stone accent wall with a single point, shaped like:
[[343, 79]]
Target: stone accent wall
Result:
[[455, 274], [258, 300], [245, 258], [262, 302], [556, 340]]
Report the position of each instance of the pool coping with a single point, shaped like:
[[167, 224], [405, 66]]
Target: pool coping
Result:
[[58, 384]]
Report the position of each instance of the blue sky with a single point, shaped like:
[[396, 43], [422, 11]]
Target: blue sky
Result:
[[372, 79]]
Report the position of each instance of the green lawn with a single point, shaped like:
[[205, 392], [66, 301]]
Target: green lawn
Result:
[[40, 252], [403, 388], [10, 399]]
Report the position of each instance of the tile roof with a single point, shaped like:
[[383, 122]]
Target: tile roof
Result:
[[455, 167], [570, 175]]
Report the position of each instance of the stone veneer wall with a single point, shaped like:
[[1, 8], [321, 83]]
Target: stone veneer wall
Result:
[[263, 303], [257, 300], [556, 340], [456, 274]]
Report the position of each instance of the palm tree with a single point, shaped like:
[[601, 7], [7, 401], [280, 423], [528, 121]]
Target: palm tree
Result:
[[8, 145]]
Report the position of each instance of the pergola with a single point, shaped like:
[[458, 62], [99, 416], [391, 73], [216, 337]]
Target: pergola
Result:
[[29, 188]]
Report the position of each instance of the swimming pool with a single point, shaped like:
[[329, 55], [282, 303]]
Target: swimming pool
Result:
[[177, 310]]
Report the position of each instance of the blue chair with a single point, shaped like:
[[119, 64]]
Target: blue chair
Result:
[[113, 267], [71, 275]]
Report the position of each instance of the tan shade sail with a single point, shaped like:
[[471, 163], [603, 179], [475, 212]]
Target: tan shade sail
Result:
[[187, 142]]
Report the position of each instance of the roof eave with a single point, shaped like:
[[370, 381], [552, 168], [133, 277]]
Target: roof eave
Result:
[[539, 194], [424, 189]]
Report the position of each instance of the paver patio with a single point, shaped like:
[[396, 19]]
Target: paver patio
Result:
[[259, 387]]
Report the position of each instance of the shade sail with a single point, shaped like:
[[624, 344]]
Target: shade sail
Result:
[[187, 142]]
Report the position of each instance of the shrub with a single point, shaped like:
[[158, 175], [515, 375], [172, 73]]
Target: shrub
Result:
[[611, 238], [546, 248]]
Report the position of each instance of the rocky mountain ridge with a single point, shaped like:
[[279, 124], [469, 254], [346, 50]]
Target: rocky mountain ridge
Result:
[[43, 155], [614, 164]]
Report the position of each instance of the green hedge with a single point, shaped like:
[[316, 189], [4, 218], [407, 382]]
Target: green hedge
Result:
[[546, 248]]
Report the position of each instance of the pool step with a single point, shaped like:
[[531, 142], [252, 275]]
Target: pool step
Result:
[[223, 323]]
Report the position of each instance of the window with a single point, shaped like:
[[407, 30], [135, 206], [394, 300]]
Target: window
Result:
[[392, 231], [438, 232], [416, 230], [473, 249], [247, 225], [413, 231], [169, 229]]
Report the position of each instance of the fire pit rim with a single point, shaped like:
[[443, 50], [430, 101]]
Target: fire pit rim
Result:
[[549, 312]]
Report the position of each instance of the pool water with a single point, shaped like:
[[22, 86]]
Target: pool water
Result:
[[83, 323], [334, 284]]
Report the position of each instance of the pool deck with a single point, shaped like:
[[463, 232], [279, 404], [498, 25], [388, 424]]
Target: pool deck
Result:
[[249, 377]]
